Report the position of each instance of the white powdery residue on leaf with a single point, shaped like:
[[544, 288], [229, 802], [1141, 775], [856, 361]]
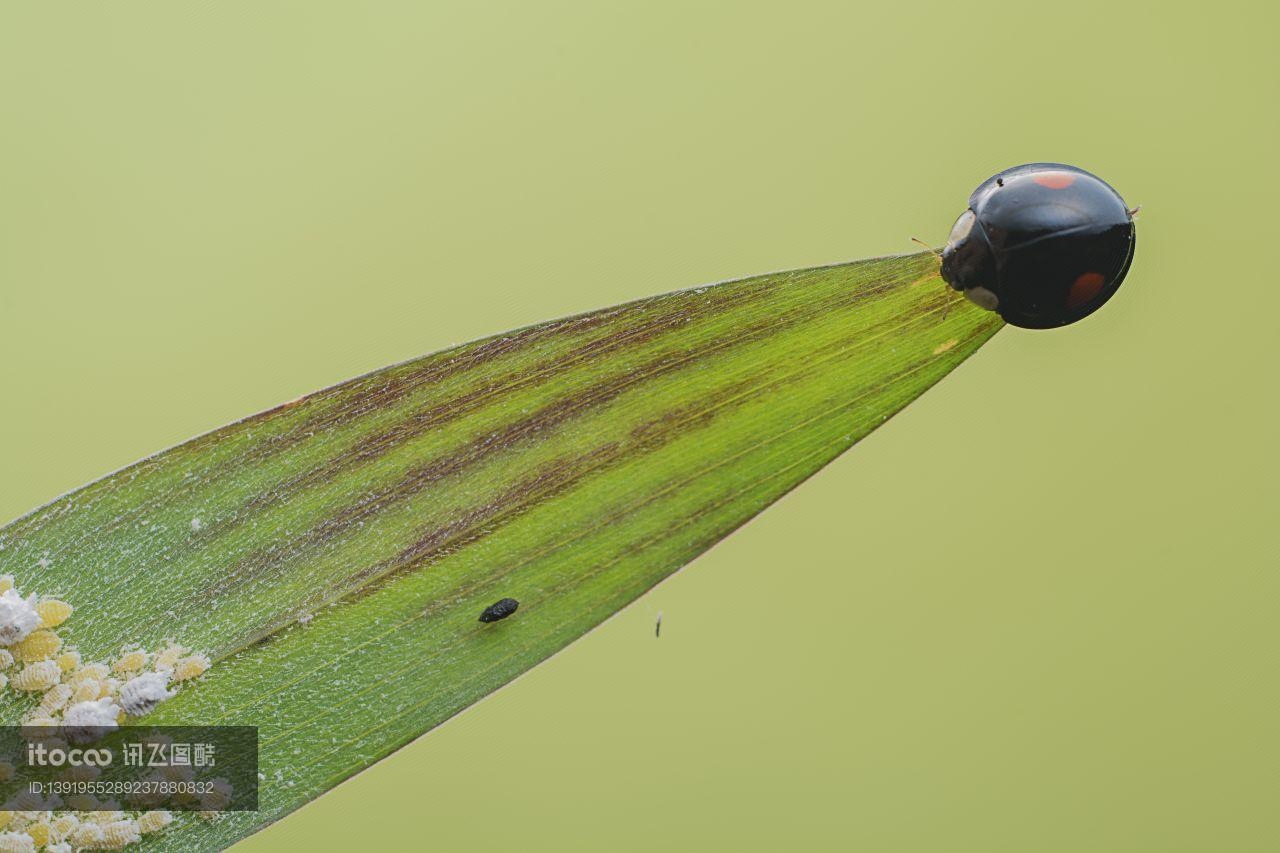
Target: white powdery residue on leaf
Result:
[[89, 721], [141, 694], [18, 617]]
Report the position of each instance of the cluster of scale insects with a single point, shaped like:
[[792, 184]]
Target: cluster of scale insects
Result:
[[75, 696]]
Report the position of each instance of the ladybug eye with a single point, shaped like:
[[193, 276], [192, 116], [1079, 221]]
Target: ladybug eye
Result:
[[962, 227]]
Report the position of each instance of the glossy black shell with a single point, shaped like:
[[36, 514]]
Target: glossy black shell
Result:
[[499, 610], [1044, 244]]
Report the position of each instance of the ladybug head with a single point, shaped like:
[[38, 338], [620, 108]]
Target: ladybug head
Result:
[[1043, 244]]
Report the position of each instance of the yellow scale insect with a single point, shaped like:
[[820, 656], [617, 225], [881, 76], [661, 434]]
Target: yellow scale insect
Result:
[[190, 667], [28, 640], [167, 658], [131, 661], [38, 645], [39, 833], [93, 671], [53, 612]]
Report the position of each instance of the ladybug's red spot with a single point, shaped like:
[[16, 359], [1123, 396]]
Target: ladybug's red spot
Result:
[[1085, 288], [1054, 180]]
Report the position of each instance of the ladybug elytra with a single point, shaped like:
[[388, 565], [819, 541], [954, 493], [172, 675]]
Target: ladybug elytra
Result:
[[499, 610], [1043, 244]]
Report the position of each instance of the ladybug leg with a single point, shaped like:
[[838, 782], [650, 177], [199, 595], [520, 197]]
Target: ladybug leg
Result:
[[953, 298]]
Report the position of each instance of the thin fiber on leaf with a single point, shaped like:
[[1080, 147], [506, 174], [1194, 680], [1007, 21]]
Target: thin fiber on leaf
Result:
[[332, 555]]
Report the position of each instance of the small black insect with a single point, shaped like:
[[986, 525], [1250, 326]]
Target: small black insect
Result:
[[499, 610], [1043, 244]]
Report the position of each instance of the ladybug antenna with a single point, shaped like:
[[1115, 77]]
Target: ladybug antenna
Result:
[[937, 252], [1134, 212]]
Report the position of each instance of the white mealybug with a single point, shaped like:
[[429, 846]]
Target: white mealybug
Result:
[[18, 617], [55, 698], [86, 722], [16, 842], [37, 676], [6, 659], [178, 773], [150, 793], [26, 801], [63, 825], [141, 694], [59, 847], [80, 773], [81, 803], [86, 836], [40, 726], [109, 812], [218, 797], [120, 833], [85, 690], [154, 821]]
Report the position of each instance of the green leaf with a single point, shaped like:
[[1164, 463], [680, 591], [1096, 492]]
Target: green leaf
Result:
[[333, 554]]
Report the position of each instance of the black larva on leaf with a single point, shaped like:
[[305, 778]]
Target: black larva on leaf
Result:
[[499, 610]]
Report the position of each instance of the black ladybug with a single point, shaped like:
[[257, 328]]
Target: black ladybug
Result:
[[1043, 244]]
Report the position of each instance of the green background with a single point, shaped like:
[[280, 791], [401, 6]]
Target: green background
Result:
[[1037, 612]]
